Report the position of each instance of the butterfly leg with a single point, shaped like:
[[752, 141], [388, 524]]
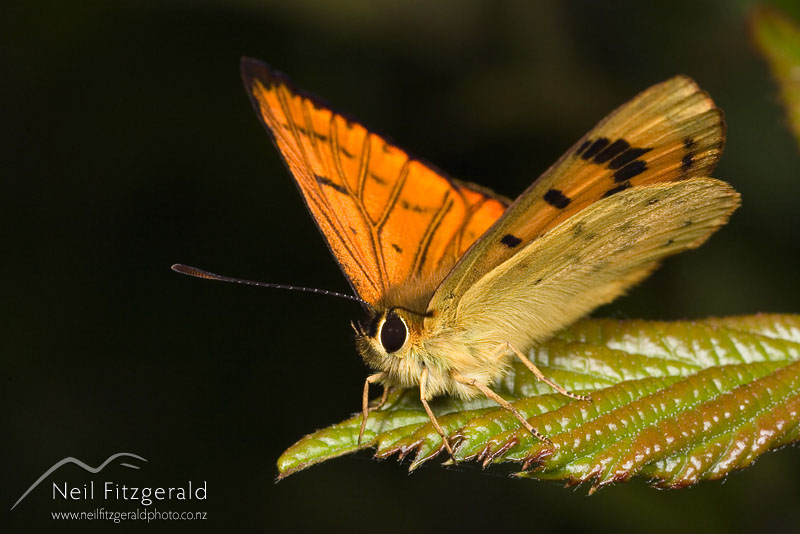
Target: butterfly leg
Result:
[[502, 402], [538, 374], [371, 379], [423, 382], [384, 396]]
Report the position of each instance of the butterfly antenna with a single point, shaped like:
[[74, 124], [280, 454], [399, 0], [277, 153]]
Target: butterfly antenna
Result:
[[199, 273]]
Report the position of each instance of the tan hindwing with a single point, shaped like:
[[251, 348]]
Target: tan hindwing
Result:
[[584, 262]]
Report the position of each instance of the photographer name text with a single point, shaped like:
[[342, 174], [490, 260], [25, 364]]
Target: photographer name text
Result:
[[121, 492]]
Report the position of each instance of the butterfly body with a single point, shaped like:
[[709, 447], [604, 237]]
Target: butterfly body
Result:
[[474, 342], [456, 280]]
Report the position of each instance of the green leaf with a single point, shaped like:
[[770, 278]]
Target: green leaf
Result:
[[675, 402], [778, 39]]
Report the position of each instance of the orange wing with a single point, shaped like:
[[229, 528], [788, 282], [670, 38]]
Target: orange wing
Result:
[[387, 217], [671, 131]]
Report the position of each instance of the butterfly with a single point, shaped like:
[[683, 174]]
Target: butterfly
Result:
[[456, 280]]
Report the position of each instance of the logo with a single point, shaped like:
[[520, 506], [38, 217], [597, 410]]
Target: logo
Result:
[[118, 492], [89, 468]]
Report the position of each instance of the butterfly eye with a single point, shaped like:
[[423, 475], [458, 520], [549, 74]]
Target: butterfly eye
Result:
[[393, 333]]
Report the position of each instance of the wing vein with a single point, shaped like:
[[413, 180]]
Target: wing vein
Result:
[[402, 175], [333, 139], [422, 251]]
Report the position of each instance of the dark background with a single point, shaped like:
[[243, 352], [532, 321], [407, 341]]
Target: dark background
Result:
[[128, 144]]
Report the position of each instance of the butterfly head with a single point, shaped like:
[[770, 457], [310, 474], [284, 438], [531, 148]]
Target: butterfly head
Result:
[[386, 339]]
